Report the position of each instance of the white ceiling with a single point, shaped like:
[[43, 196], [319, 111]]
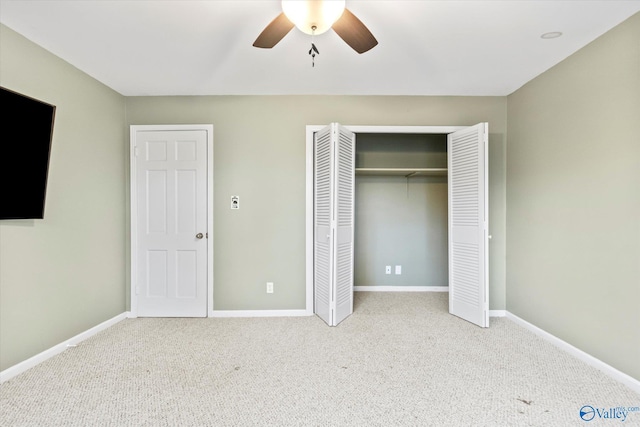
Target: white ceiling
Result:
[[425, 47]]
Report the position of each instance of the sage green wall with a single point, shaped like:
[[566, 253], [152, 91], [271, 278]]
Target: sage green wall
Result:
[[573, 199], [64, 274], [400, 221], [260, 156]]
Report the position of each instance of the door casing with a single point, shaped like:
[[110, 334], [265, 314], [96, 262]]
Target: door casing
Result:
[[134, 213]]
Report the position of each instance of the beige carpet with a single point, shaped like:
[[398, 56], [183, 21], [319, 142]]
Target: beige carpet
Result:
[[399, 360]]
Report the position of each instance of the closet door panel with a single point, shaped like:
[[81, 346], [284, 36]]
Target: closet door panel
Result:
[[323, 216], [468, 219], [334, 184], [345, 193]]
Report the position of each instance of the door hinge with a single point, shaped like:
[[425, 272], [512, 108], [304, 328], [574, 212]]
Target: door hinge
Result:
[[137, 290], [135, 151]]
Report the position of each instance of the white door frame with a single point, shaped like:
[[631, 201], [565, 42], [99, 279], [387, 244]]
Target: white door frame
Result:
[[134, 207], [310, 130]]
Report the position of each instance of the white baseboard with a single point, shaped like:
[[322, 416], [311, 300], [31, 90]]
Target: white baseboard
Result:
[[401, 289], [14, 370], [260, 313], [625, 379], [497, 313]]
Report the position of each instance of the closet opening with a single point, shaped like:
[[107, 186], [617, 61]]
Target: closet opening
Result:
[[401, 212]]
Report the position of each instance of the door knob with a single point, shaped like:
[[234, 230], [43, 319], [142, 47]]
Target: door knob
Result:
[[199, 236]]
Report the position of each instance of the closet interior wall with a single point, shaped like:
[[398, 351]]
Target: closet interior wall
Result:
[[401, 210]]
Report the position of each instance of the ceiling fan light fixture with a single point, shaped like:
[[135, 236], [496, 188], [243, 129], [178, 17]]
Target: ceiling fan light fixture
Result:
[[313, 16]]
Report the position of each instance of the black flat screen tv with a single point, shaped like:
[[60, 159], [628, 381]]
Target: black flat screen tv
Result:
[[26, 131]]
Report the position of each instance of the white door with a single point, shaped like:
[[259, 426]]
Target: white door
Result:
[[322, 222], [171, 223], [334, 175], [345, 149], [468, 224]]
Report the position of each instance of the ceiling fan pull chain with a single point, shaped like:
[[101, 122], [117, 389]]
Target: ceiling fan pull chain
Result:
[[314, 50]]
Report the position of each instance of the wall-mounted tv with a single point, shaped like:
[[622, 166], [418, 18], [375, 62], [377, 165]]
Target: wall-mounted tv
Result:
[[26, 130]]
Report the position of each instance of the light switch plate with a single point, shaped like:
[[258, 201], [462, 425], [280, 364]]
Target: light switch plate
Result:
[[398, 269]]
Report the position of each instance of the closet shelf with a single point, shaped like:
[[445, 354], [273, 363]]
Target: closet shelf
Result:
[[406, 172]]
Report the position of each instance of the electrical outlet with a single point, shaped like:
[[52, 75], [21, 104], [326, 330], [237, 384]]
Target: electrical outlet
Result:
[[269, 287], [387, 270], [398, 269]]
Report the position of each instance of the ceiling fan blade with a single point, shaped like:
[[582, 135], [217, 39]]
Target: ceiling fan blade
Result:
[[274, 32], [354, 32]]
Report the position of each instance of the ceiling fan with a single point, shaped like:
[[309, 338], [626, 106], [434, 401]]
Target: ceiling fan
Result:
[[316, 17]]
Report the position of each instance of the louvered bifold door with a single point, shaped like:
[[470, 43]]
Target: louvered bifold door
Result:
[[322, 221], [334, 183], [344, 220], [468, 222]]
